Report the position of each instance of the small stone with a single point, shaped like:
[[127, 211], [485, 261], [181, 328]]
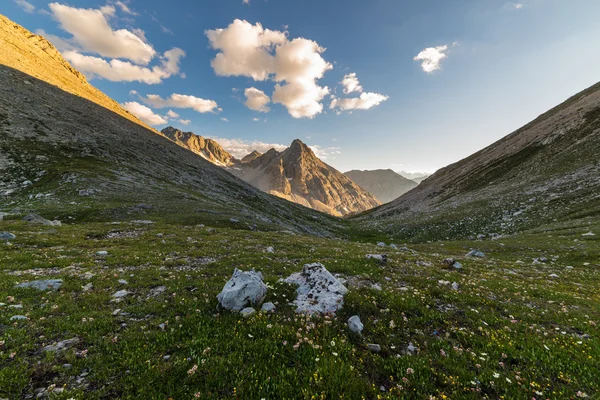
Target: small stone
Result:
[[234, 221], [381, 244], [167, 358], [120, 294], [7, 236], [248, 312], [476, 253], [62, 345], [393, 246], [48, 284], [88, 287], [67, 366], [268, 307], [355, 325], [123, 282], [116, 312], [270, 249], [411, 348], [382, 258], [455, 286], [375, 348], [102, 253], [18, 318], [157, 291], [554, 276]]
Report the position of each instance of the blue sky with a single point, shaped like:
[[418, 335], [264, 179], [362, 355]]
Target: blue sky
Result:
[[502, 64]]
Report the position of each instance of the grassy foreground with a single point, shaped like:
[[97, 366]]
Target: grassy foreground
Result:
[[510, 330]]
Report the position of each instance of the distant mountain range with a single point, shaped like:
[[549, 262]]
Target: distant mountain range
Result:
[[295, 174], [415, 176], [385, 184]]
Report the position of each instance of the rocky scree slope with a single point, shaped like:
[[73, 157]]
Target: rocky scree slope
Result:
[[385, 184], [298, 175], [70, 158], [549, 170]]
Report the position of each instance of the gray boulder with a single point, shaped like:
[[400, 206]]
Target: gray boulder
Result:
[[36, 219], [318, 291], [18, 318], [248, 312], [375, 348], [62, 345], [268, 307], [48, 284], [476, 253], [242, 289], [382, 258]]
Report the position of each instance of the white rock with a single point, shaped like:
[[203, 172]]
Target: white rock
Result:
[[62, 345], [355, 325], [18, 318], [454, 286], [6, 236], [270, 249], [476, 253], [268, 307], [123, 282], [318, 291], [121, 293], [589, 234], [381, 244], [102, 253], [248, 312], [88, 287], [379, 257], [554, 276], [375, 348], [242, 289]]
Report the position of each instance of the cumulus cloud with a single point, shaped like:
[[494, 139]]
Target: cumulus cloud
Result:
[[364, 102], [325, 152], [91, 30], [182, 101], [262, 54], [125, 71], [224, 119], [27, 7], [351, 84], [240, 148], [144, 113], [185, 121], [172, 114], [257, 100], [431, 58]]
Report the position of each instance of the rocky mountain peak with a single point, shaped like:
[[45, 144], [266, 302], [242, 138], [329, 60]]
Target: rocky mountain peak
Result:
[[206, 148], [251, 157], [299, 147]]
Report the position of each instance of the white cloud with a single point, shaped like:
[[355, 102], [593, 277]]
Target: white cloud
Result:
[[351, 84], [246, 1], [519, 6], [27, 7], [325, 152], [432, 57], [364, 102], [185, 121], [133, 92], [240, 148], [124, 71], [224, 119], [182, 101], [257, 100], [144, 113], [125, 8], [172, 114], [108, 10], [58, 42], [91, 30], [262, 54], [255, 119]]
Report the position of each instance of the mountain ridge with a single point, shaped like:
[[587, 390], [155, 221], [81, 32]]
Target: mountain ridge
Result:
[[385, 184]]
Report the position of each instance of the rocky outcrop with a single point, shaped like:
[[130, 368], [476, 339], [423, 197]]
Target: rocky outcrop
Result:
[[251, 157], [385, 184], [205, 148]]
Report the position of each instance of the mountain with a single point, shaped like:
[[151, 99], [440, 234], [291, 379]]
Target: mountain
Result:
[[69, 152], [251, 157], [546, 171], [205, 148], [385, 184], [296, 174], [415, 176]]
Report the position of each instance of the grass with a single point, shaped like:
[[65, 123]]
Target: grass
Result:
[[510, 331]]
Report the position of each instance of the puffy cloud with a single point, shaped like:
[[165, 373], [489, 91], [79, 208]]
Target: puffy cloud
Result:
[[431, 58], [351, 84], [182, 101], [518, 6], [240, 148], [364, 102], [257, 100], [124, 71], [185, 121], [27, 7], [172, 114], [262, 54], [325, 152], [91, 30], [144, 113], [224, 119]]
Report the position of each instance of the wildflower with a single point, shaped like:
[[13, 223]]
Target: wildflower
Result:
[[335, 354], [508, 380], [496, 375], [285, 342], [197, 395], [192, 370], [442, 353]]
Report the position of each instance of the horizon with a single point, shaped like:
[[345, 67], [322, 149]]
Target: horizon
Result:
[[257, 74]]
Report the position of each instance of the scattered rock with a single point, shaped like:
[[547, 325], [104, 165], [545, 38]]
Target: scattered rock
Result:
[[268, 307], [234, 221], [554, 276], [589, 234], [451, 263], [157, 291], [476, 253], [36, 219], [18, 318], [50, 284], [270, 249], [87, 192], [454, 286], [318, 291], [248, 312], [123, 282], [411, 348], [87, 287], [6, 236], [382, 258], [381, 244], [242, 289], [102, 253], [393, 246], [62, 345], [355, 325], [121, 294], [375, 348]]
